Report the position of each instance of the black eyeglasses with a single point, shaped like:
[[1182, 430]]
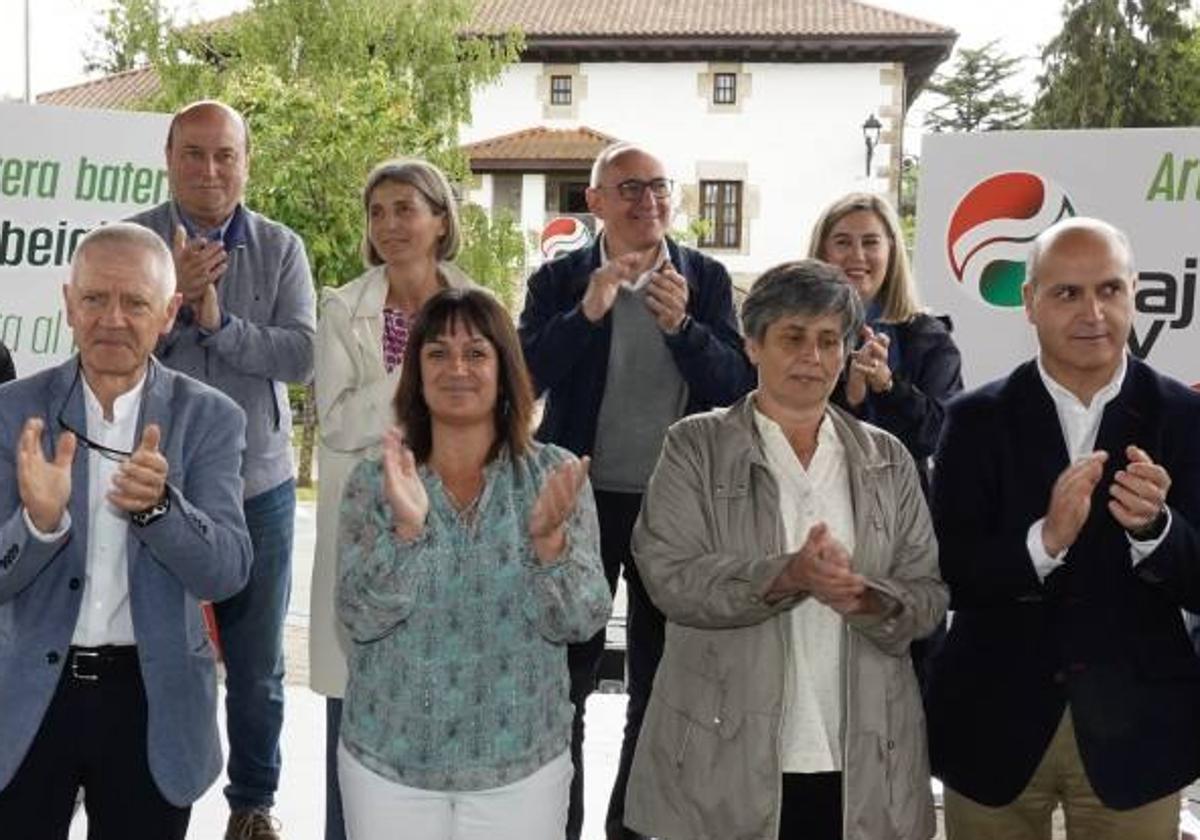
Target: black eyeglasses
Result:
[[118, 455], [633, 189]]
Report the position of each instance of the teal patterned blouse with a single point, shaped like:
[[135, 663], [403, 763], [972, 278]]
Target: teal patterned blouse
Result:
[[458, 677]]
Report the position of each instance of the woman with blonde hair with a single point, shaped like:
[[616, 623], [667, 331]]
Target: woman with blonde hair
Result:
[[411, 234], [907, 365]]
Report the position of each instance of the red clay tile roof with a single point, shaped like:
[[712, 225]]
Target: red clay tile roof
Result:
[[673, 30], [698, 18], [120, 90], [538, 149]]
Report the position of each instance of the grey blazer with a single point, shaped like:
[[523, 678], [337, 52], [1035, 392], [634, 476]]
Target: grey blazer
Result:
[[199, 551]]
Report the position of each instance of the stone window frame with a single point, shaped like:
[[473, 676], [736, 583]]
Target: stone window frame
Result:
[[545, 91], [707, 86], [728, 194]]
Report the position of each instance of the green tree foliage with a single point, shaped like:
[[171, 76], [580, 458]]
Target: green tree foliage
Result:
[[329, 88], [493, 252], [973, 95], [1120, 63], [129, 34]]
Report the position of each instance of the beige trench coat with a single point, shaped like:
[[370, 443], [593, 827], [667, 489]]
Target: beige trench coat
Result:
[[708, 544], [354, 407]]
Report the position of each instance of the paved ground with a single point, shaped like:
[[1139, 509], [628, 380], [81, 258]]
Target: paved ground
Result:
[[301, 800]]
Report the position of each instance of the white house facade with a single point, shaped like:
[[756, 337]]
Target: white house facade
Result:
[[756, 109]]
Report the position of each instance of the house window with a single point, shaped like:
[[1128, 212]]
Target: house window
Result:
[[721, 207], [724, 88], [560, 90]]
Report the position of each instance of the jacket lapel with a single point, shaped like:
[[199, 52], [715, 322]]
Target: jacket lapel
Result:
[[66, 401], [1040, 444]]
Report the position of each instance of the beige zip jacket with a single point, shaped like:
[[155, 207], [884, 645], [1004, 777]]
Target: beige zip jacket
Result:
[[708, 544]]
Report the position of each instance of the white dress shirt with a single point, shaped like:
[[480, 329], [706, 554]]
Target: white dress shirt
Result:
[[104, 616], [1080, 425], [812, 715]]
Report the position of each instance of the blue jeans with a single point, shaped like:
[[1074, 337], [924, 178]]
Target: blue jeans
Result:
[[251, 629]]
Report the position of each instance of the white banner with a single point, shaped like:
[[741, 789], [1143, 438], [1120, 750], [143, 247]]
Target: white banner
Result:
[[984, 197], [62, 172]]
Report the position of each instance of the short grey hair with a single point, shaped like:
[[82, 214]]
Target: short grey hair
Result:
[[129, 235], [809, 288], [433, 186], [609, 155], [1045, 240]]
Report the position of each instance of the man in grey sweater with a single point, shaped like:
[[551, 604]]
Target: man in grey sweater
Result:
[[247, 327]]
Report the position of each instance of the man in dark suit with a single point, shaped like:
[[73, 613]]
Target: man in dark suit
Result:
[[624, 338], [1066, 502], [120, 510]]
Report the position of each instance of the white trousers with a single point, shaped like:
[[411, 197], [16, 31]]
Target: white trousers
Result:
[[375, 808]]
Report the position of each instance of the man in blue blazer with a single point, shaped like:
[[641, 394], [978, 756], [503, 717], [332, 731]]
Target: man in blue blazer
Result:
[[1066, 501], [120, 510]]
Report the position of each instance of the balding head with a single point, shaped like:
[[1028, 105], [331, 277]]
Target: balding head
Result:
[[612, 153], [206, 109], [1074, 230]]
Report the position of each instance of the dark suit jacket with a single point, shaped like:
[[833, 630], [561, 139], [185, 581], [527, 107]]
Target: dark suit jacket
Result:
[[1100, 635], [7, 371], [200, 550], [568, 355]]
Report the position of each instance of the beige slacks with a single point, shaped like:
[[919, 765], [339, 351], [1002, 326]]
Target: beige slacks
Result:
[[1060, 779]]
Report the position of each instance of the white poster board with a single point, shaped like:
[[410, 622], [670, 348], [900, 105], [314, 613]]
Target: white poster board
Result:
[[62, 172], [984, 197]]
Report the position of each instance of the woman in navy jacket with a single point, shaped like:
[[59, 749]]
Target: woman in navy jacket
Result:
[[907, 366]]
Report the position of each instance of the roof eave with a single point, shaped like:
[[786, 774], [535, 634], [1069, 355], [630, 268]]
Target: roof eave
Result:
[[480, 165], [920, 53]]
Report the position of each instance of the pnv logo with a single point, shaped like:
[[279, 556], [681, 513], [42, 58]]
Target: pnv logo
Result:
[[993, 226], [562, 235]]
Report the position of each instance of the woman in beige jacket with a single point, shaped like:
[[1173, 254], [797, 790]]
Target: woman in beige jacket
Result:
[[790, 548], [412, 233]]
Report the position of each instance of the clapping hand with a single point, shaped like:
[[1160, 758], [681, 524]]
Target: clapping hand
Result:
[[604, 284], [667, 297], [868, 367], [44, 486], [403, 487], [1139, 492], [199, 263], [140, 482], [553, 506], [822, 568], [1071, 502]]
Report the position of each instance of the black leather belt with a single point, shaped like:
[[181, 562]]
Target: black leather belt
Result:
[[106, 662]]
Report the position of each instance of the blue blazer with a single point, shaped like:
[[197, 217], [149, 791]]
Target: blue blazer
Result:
[[199, 551], [1099, 635], [568, 355]]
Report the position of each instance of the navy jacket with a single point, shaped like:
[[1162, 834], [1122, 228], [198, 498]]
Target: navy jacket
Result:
[[927, 375], [1099, 634], [7, 371], [568, 355]]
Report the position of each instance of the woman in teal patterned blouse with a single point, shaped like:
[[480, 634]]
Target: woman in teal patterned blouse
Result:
[[470, 557]]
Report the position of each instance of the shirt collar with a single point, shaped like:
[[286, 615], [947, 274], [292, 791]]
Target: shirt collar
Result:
[[773, 437], [664, 255], [1063, 396], [125, 406], [231, 233]]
